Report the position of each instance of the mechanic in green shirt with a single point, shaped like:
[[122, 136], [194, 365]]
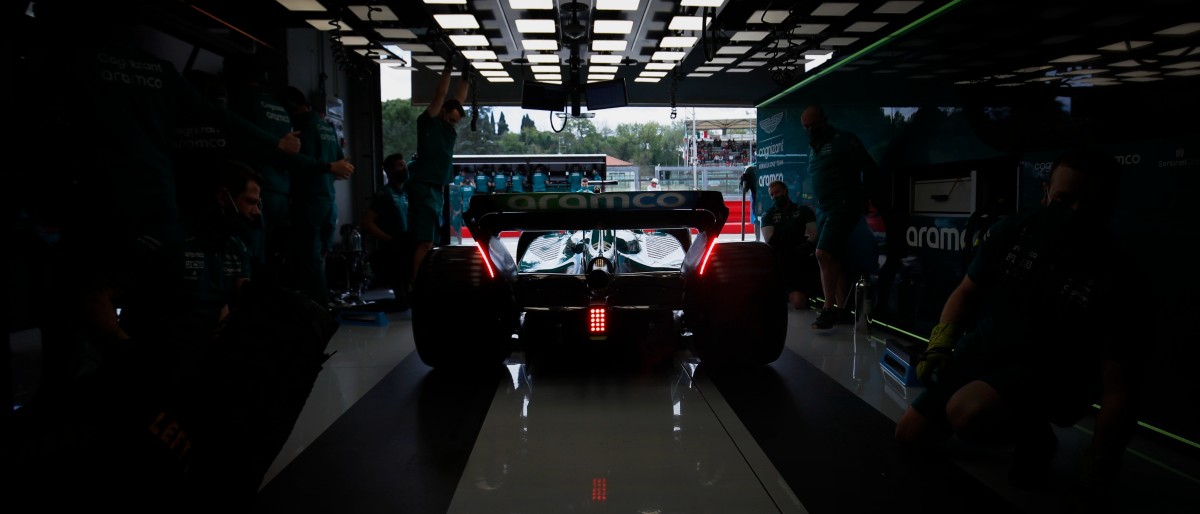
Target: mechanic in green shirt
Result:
[[1044, 335], [433, 168], [313, 209], [837, 166], [791, 229], [387, 221]]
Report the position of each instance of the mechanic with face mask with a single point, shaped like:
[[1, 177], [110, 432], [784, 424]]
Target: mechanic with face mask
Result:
[[1036, 333], [791, 230], [434, 168]]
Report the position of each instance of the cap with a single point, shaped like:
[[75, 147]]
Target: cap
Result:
[[654, 180]]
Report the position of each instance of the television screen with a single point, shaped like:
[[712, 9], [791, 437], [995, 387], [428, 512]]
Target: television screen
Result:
[[542, 96], [606, 94]]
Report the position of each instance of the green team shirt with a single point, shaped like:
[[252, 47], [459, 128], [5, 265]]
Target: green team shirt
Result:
[[435, 151], [837, 167], [391, 209], [788, 219], [319, 140], [260, 108]]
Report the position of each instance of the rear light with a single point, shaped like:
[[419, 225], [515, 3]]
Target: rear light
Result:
[[597, 320], [599, 489], [487, 263], [707, 254]]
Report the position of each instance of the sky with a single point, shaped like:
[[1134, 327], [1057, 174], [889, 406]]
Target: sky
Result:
[[395, 84]]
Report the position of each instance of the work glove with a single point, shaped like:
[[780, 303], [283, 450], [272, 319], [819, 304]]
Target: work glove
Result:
[[937, 353]]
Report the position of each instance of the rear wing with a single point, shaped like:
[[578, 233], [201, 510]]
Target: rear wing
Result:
[[488, 215]]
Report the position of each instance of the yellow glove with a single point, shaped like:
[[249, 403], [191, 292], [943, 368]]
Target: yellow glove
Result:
[[937, 353]]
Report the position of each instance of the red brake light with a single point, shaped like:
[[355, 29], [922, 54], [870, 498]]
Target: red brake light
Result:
[[597, 320], [707, 254], [487, 263]]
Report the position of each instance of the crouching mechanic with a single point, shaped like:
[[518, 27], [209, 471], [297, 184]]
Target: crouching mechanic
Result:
[[1050, 340]]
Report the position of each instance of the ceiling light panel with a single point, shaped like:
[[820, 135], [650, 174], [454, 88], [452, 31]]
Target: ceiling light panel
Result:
[[535, 26], [687, 23], [701, 75], [416, 48], [749, 35], [493, 73], [1142, 73], [547, 76], [609, 45], [446, 2], [1190, 50], [540, 44], [839, 41], [542, 58], [897, 7], [1180, 30], [677, 42], [396, 33], [1125, 46], [302, 5], [659, 74], [322, 24], [355, 41], [751, 64], [531, 4], [660, 65], [604, 59], [733, 49], [1186, 65], [374, 13], [768, 16], [805, 29], [601, 76], [834, 9], [1185, 73], [646, 79], [866, 26], [500, 79], [1075, 58], [1128, 63], [612, 26], [739, 70], [709, 68], [721, 60], [617, 5], [666, 56], [602, 69], [479, 55], [546, 69], [702, 3], [469, 40], [456, 21], [487, 65], [428, 58]]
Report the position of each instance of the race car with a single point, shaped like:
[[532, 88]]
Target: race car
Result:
[[598, 271]]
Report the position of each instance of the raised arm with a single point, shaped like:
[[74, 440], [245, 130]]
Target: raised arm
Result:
[[460, 90], [439, 97]]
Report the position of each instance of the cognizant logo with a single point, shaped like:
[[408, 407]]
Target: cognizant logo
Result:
[[946, 238], [643, 200]]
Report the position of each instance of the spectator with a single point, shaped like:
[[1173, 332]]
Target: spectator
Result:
[[791, 230], [1052, 337], [433, 169], [836, 165], [653, 185]]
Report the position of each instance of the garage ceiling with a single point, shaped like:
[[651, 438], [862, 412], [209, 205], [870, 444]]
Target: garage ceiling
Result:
[[754, 52]]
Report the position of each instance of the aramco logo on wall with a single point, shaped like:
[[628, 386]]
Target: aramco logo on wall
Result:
[[938, 238]]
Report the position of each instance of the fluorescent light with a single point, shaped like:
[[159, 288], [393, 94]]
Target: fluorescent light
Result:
[[709, 68], [1144, 79], [768, 17], [373, 13], [678, 42], [531, 4], [1087, 71], [1128, 63], [612, 26], [721, 60], [461, 2], [751, 64], [469, 40], [547, 76], [733, 49], [1033, 69], [866, 26], [478, 55], [500, 79], [1121, 47], [1180, 51], [702, 3], [609, 45], [749, 35], [456, 21], [1136, 74], [1180, 30], [1075, 58], [897, 7], [535, 26], [617, 5], [602, 69], [839, 41], [487, 65], [539, 44], [700, 74], [542, 58], [355, 41], [1186, 65], [428, 58], [645, 79], [739, 70], [653, 74], [302, 5], [809, 29], [667, 56], [321, 24], [546, 69], [605, 59], [493, 73], [600, 76], [396, 33], [1185, 73], [660, 65], [687, 23], [834, 9]]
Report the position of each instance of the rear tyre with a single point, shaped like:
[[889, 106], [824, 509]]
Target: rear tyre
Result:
[[463, 318], [735, 311]]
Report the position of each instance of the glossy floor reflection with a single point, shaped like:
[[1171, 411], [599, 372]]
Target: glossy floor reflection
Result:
[[381, 432]]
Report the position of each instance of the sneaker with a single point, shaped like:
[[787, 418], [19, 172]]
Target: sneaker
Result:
[[825, 319]]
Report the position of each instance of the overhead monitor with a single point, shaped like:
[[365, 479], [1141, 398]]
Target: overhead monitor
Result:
[[606, 94], [543, 96]]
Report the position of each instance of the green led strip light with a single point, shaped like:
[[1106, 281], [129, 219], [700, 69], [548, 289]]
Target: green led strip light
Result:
[[937, 12]]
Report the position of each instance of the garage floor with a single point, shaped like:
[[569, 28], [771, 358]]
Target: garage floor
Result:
[[381, 432]]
